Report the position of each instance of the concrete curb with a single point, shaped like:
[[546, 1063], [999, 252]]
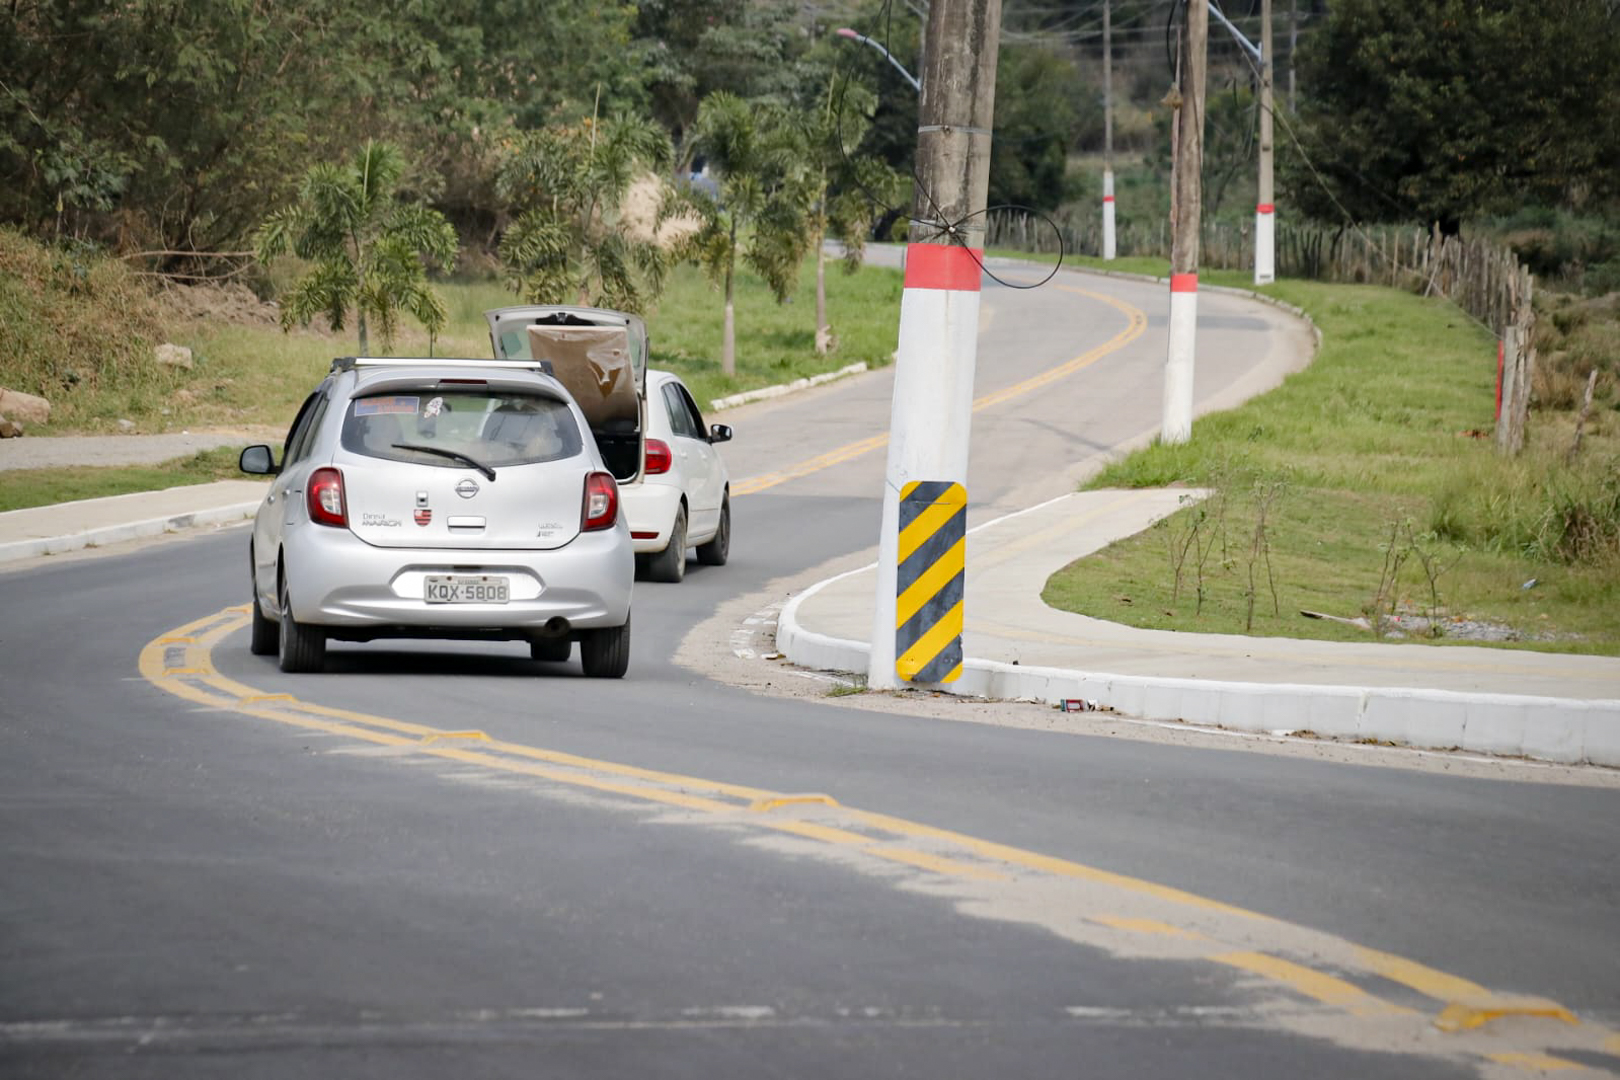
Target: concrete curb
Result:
[[115, 534], [731, 401], [1547, 729]]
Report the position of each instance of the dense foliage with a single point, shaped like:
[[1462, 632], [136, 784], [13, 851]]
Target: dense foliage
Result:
[[1443, 110]]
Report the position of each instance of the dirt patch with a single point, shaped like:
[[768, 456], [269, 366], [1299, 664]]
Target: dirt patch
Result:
[[227, 302]]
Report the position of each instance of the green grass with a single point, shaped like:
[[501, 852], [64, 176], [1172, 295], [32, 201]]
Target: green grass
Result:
[[775, 342], [252, 377], [23, 488], [1376, 441]]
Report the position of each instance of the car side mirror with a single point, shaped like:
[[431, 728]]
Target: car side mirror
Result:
[[719, 433], [258, 460]]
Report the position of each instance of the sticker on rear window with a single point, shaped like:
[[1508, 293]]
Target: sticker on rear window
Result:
[[377, 406]]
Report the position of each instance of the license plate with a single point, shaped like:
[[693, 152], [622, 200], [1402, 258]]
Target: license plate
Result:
[[466, 589]]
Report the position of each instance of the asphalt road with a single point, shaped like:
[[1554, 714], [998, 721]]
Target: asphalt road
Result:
[[345, 884]]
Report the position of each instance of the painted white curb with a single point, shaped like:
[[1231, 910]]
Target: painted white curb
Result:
[[115, 534], [1545, 728], [731, 401]]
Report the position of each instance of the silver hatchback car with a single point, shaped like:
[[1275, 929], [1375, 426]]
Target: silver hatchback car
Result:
[[440, 498]]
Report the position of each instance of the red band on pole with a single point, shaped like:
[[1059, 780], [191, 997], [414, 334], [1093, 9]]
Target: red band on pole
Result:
[[1183, 282], [943, 266], [1108, 198], [1265, 208]]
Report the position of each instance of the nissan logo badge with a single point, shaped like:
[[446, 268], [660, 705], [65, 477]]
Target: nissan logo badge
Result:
[[467, 488]]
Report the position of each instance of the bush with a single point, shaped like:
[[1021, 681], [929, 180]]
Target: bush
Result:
[[1536, 506], [76, 325]]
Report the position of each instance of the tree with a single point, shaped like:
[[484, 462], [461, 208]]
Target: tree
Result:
[[761, 203], [571, 240], [1037, 119], [367, 247], [1443, 109], [850, 190]]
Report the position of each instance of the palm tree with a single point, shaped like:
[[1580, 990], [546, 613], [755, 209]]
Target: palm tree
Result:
[[367, 247], [762, 202], [571, 238], [851, 190]]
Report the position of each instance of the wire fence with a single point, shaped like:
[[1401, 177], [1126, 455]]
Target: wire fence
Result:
[[1483, 279]]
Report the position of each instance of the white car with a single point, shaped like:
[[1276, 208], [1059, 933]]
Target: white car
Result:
[[672, 481], [443, 499]]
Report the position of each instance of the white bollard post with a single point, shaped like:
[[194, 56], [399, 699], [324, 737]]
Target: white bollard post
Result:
[[932, 412], [1178, 367], [1265, 244], [1108, 214]]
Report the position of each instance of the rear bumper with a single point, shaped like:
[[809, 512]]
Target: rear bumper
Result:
[[650, 507], [337, 580]]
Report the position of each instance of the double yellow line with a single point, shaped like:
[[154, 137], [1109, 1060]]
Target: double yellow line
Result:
[[1135, 326], [181, 663]]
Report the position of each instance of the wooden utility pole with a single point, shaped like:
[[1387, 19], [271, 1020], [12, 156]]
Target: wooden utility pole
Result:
[[1188, 195], [917, 630], [1108, 244], [1265, 211]]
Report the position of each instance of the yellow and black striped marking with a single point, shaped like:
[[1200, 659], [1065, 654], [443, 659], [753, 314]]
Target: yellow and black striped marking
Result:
[[928, 609]]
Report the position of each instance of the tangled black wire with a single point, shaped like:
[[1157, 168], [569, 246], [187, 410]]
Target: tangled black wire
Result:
[[940, 225]]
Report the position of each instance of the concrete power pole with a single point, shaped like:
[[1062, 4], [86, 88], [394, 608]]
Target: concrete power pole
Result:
[[1108, 247], [917, 631], [1265, 211], [1188, 195]]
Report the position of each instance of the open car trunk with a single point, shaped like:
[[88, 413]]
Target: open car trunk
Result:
[[600, 356]]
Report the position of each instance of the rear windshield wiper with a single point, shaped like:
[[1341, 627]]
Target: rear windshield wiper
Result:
[[463, 458]]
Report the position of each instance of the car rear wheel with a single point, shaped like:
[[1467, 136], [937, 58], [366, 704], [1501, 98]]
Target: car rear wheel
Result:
[[553, 650], [301, 648], [264, 634], [605, 653], [715, 552], [669, 565]]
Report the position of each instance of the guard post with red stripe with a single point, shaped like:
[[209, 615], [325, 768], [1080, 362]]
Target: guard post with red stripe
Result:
[[930, 421], [932, 411], [1178, 366]]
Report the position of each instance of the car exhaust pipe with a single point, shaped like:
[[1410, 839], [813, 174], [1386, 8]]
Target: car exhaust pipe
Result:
[[557, 626]]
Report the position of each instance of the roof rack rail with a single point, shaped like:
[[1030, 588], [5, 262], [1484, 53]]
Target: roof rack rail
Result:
[[350, 363]]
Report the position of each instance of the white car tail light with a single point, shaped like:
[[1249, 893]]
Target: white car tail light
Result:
[[659, 457], [601, 510], [325, 496]]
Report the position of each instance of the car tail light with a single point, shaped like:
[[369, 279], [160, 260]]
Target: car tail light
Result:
[[325, 494], [601, 502], [659, 457]]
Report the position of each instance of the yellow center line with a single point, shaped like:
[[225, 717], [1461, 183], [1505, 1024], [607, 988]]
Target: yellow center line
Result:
[[194, 678], [1137, 925], [1136, 326], [1327, 989]]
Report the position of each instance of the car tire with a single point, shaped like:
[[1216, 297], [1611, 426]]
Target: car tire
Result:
[[300, 648], [716, 551], [265, 637], [669, 565], [605, 653], [551, 650]]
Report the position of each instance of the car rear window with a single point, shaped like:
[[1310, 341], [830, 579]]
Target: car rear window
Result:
[[492, 428]]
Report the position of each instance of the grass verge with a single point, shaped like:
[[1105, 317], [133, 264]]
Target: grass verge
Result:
[[248, 375], [24, 488], [1383, 496]]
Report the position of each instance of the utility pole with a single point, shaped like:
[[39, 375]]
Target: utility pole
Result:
[[1265, 211], [1188, 194], [1108, 246], [917, 631]]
